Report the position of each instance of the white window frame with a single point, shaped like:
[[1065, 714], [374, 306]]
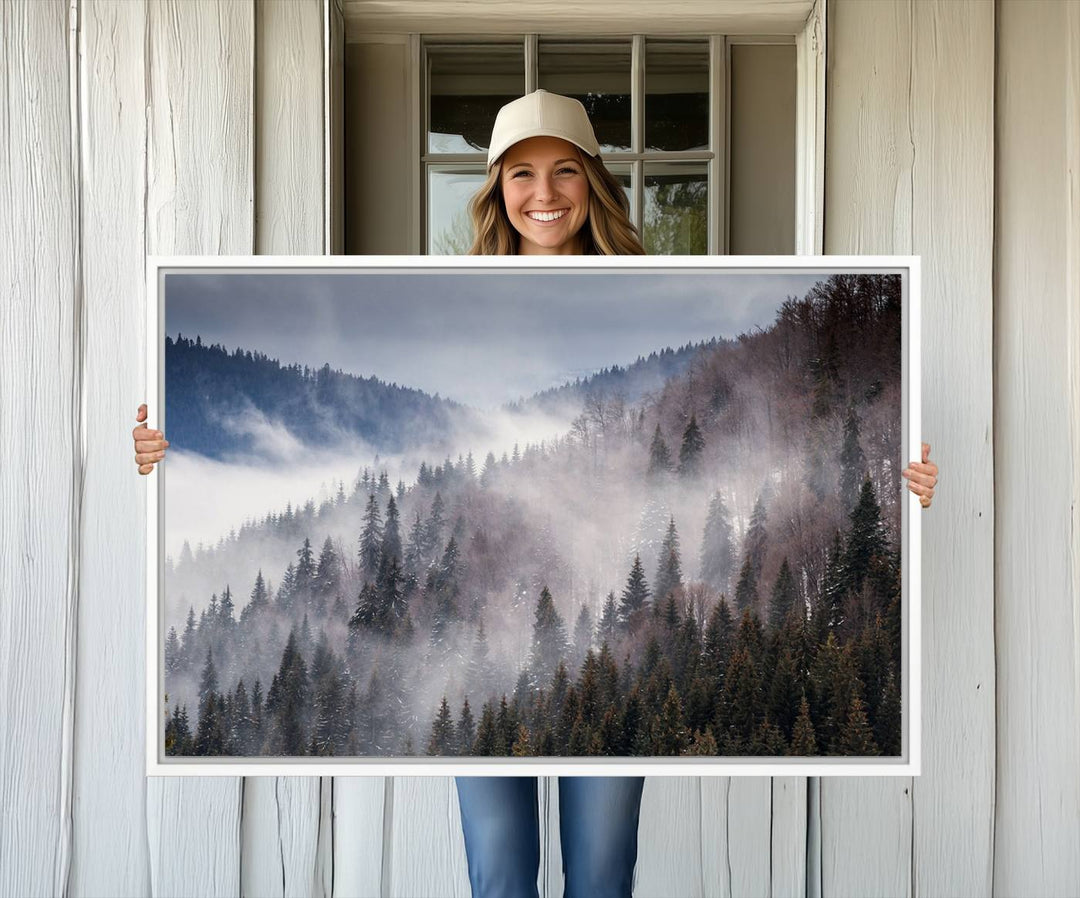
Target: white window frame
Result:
[[810, 125]]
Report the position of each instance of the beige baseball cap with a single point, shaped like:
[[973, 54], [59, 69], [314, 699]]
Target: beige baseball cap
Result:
[[541, 114]]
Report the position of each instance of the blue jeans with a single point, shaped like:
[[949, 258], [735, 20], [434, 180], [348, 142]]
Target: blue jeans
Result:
[[598, 821]]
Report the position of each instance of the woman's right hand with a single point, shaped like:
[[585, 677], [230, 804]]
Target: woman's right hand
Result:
[[149, 444]]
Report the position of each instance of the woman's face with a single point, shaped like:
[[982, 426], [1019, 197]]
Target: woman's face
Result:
[[546, 195]]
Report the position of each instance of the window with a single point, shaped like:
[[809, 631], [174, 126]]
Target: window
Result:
[[659, 107]]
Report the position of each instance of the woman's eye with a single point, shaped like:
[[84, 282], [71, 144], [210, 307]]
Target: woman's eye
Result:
[[519, 174], [569, 171]]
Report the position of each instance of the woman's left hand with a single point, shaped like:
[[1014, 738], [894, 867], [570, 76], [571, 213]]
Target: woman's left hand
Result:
[[922, 477]]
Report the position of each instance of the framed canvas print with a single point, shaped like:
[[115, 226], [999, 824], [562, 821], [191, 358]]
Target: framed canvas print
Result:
[[520, 516]]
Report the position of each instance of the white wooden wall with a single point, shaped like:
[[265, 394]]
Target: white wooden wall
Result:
[[175, 126]]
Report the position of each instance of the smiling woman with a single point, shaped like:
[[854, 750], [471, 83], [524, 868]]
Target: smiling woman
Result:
[[547, 190]]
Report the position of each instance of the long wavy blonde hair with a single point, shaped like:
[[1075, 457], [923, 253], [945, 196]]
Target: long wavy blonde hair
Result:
[[607, 231]]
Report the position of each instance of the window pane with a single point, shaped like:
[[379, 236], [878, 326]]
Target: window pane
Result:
[[676, 95], [676, 208], [449, 191], [466, 86], [597, 74]]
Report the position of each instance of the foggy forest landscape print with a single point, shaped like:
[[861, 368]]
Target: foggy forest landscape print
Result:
[[532, 514]]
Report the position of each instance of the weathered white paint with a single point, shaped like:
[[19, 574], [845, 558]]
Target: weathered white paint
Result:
[[558, 17], [909, 152], [910, 168], [109, 812], [199, 199], [282, 815], [1036, 839], [40, 443]]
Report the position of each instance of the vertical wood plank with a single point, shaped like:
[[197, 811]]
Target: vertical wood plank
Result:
[[910, 170], [869, 157], [425, 853], [199, 199], [110, 854], [736, 835], [669, 838], [952, 77], [282, 815], [1037, 820], [360, 808], [40, 436], [789, 821]]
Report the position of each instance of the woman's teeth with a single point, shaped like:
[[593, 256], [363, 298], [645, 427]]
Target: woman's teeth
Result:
[[546, 216]]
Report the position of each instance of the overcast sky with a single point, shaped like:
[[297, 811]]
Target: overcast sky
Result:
[[482, 339]]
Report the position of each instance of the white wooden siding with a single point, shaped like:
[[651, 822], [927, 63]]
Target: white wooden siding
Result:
[[163, 127], [909, 150], [1037, 456]]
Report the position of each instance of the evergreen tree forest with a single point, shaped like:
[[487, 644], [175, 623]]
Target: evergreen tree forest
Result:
[[711, 568]]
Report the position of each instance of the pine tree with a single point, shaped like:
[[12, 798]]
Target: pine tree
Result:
[[466, 730], [866, 540], [486, 737], [443, 584], [803, 742], [443, 739], [583, 634], [304, 582], [415, 547], [659, 456], [226, 610], [669, 733], [703, 743], [258, 601], [746, 590], [287, 701], [887, 723], [209, 682], [757, 536], [635, 594], [857, 738], [391, 540], [172, 653], [328, 571], [187, 641], [669, 570], [852, 461], [690, 453], [549, 638], [371, 538], [785, 596], [434, 527], [609, 621], [478, 672], [286, 589], [487, 476], [521, 747], [717, 551]]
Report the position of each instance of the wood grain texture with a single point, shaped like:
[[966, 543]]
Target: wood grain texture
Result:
[[199, 201], [1037, 822], [109, 813], [909, 170], [40, 443], [360, 808], [669, 836], [425, 848], [282, 815], [952, 126], [289, 132], [868, 193], [736, 828]]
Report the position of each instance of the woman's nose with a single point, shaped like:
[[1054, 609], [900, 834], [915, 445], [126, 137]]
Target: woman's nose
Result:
[[545, 188]]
